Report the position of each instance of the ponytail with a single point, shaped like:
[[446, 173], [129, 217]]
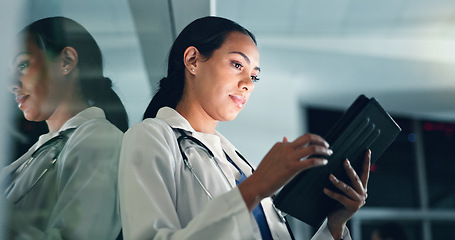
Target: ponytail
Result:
[[168, 95], [99, 93]]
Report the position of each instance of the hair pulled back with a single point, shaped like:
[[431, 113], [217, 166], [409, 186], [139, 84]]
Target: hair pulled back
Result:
[[52, 35], [206, 34]]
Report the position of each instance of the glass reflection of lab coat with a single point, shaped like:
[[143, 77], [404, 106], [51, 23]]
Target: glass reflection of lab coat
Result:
[[160, 198], [77, 197]]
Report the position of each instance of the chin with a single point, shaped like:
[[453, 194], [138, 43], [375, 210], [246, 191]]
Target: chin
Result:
[[32, 116], [230, 117], [226, 115]]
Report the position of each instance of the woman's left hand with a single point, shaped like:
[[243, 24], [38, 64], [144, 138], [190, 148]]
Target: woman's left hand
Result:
[[353, 198]]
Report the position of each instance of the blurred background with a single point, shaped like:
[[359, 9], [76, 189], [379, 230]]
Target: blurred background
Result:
[[316, 58]]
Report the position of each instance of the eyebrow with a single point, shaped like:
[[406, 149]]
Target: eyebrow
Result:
[[247, 59], [21, 53]]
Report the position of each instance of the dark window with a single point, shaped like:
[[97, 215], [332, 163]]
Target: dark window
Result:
[[412, 230], [443, 230], [439, 146]]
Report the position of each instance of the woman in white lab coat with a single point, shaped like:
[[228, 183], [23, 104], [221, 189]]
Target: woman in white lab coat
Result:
[[181, 179], [65, 186]]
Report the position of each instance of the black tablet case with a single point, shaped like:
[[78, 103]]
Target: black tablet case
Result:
[[365, 125]]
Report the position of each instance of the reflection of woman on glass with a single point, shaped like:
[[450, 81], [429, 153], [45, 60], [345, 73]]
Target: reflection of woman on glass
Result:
[[212, 67], [64, 187]]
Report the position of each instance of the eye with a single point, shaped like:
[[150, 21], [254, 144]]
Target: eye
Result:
[[237, 65], [22, 67], [255, 78]]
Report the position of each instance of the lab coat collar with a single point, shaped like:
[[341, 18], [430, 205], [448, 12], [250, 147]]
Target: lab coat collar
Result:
[[219, 143], [175, 120], [74, 122], [82, 117]]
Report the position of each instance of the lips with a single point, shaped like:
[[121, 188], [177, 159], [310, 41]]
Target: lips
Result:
[[239, 100], [20, 99]]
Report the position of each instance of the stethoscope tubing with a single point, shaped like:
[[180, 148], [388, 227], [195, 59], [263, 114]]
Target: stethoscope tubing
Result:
[[183, 136]]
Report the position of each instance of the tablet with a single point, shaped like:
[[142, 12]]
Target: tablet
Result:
[[365, 125]]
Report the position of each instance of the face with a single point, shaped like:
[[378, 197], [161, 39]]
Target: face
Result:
[[37, 83], [223, 83]]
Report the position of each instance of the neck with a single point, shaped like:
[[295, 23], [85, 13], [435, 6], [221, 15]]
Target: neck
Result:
[[197, 117], [63, 113]]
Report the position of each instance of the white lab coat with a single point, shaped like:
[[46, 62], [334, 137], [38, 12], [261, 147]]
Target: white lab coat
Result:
[[75, 199], [161, 199]]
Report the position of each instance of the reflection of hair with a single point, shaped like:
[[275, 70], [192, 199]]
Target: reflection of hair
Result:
[[54, 34], [206, 34], [391, 231]]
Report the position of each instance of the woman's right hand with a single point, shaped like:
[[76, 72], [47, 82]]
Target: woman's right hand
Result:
[[281, 164]]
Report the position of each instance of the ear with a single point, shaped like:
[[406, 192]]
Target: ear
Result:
[[190, 58], [69, 59]]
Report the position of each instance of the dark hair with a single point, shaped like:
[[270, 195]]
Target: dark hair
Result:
[[206, 34], [52, 35]]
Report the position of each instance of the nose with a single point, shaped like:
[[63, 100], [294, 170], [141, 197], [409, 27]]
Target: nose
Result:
[[15, 85], [247, 84]]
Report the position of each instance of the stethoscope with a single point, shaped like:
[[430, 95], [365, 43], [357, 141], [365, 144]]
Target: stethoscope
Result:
[[198, 144], [56, 145]]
